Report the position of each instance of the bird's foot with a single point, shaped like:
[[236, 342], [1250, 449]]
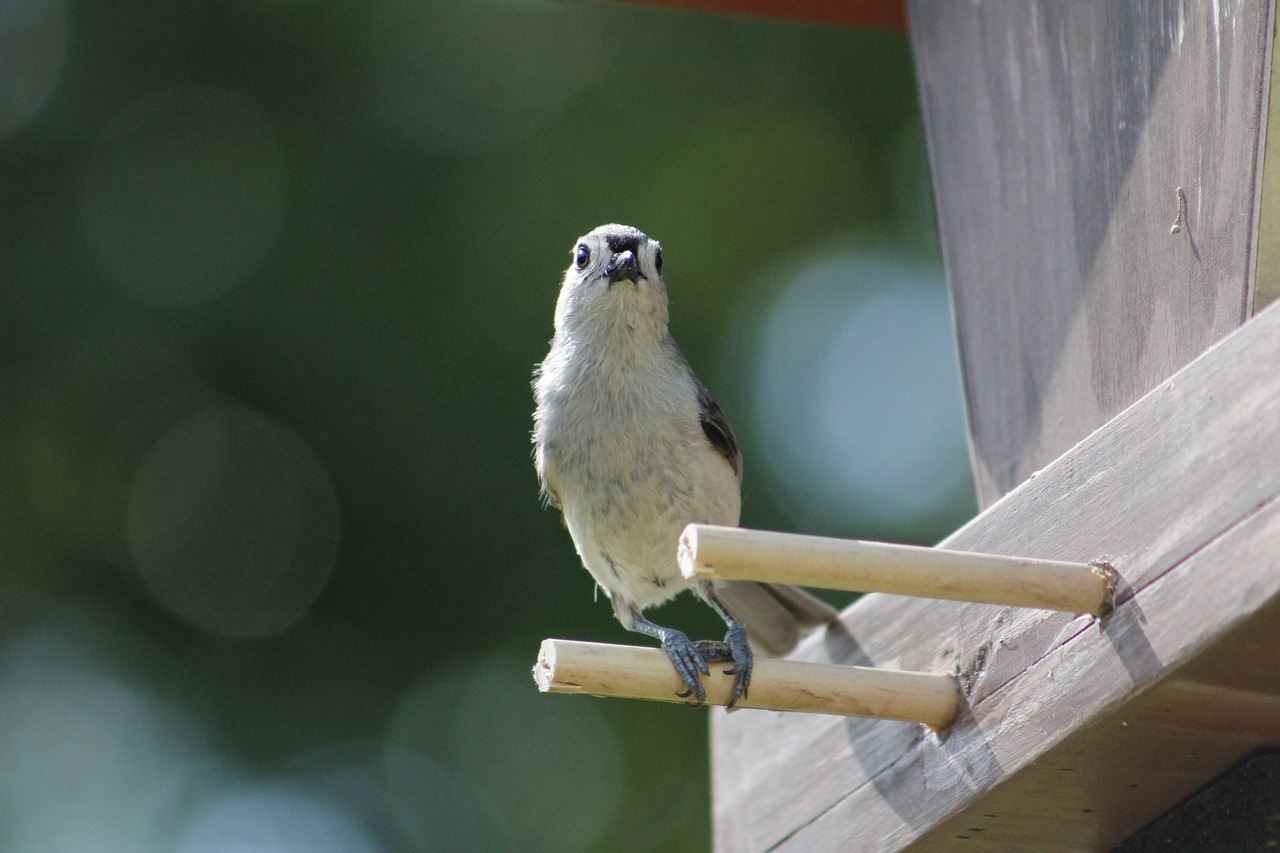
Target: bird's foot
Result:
[[688, 662], [735, 648]]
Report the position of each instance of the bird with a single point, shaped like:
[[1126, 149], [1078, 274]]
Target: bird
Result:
[[631, 447]]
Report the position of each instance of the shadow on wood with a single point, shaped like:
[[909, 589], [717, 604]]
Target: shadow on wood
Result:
[[1075, 734]]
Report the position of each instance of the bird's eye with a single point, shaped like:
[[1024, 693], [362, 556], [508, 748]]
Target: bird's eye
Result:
[[657, 260], [581, 256]]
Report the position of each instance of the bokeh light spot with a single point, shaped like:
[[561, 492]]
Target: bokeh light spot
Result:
[[184, 194], [440, 810], [272, 819], [552, 767], [232, 522], [33, 42], [857, 394], [86, 754]]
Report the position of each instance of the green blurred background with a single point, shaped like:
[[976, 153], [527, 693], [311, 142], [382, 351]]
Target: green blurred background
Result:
[[275, 276]]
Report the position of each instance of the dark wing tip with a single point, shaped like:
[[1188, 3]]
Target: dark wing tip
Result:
[[716, 428]]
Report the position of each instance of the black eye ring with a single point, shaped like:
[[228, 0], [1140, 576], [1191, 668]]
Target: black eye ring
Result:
[[657, 259], [581, 256]]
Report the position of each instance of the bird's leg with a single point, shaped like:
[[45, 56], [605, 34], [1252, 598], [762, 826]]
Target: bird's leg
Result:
[[684, 655], [735, 642]]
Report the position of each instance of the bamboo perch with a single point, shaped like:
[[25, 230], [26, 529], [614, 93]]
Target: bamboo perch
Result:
[[567, 666], [732, 553]]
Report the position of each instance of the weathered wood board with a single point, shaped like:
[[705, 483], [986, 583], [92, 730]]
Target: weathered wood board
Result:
[[1074, 734], [1059, 135]]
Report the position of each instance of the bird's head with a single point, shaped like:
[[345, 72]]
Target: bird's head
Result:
[[614, 285]]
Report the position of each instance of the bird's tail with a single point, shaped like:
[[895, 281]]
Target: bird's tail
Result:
[[775, 614]]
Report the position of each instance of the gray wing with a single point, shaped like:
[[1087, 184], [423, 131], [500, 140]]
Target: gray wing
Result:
[[775, 614], [716, 428]]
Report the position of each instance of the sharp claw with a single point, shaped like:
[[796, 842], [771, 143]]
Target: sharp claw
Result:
[[699, 692], [738, 644], [688, 663]]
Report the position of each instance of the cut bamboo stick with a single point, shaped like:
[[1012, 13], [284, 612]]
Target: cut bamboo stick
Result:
[[732, 553], [597, 669]]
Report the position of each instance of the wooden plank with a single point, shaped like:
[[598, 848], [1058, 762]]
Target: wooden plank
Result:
[[1059, 135], [1096, 784], [1180, 493]]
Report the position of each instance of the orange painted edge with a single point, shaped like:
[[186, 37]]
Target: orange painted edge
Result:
[[873, 14]]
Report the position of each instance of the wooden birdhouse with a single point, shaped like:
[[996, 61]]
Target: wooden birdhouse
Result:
[[1108, 201]]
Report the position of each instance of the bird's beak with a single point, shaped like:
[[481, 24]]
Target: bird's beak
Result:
[[623, 265]]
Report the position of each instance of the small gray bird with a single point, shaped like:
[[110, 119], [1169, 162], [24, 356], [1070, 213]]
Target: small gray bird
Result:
[[631, 447]]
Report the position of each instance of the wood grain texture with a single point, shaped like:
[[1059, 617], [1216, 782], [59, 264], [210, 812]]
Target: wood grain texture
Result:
[[1072, 733], [709, 551], [637, 672], [1059, 134]]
